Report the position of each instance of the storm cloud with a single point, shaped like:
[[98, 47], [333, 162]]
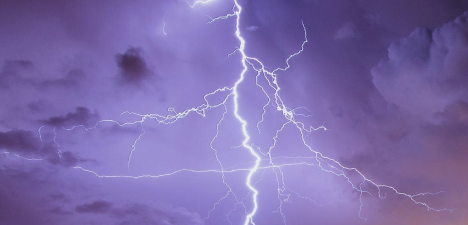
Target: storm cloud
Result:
[[132, 66], [19, 140], [426, 71], [81, 116], [94, 207]]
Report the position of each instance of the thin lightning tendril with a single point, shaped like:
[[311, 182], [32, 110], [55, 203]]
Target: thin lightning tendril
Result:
[[272, 93], [164, 26]]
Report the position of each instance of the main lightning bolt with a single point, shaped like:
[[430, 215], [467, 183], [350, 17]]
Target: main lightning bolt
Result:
[[272, 92], [245, 143]]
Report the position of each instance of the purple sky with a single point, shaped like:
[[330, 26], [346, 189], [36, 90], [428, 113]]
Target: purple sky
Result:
[[388, 80]]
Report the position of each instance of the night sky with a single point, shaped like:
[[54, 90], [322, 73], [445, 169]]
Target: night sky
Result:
[[138, 112]]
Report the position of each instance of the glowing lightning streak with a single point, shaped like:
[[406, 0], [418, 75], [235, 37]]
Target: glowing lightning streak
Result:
[[249, 218], [198, 2], [323, 162], [21, 157], [193, 171], [164, 26], [59, 152]]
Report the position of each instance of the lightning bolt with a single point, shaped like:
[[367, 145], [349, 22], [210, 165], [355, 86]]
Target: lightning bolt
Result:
[[271, 90]]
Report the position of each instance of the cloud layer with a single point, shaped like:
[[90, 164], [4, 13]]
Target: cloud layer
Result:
[[427, 71]]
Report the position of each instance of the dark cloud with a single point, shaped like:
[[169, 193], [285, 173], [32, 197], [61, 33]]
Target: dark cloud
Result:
[[71, 79], [59, 211], [143, 214], [22, 192], [23, 72], [25, 142], [132, 66], [13, 66], [38, 106], [132, 210], [19, 140], [65, 158], [81, 116], [427, 70], [58, 196], [13, 71], [99, 206], [16, 211]]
